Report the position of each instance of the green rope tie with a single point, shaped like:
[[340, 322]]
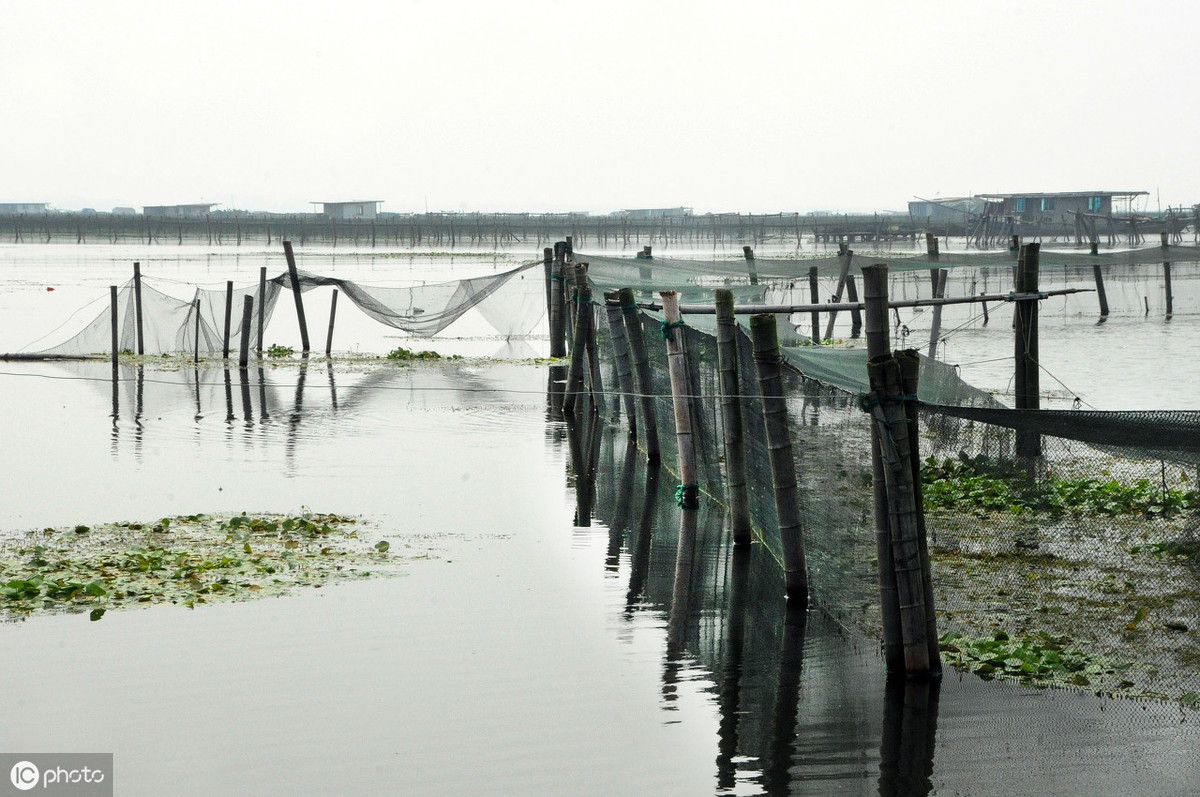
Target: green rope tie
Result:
[[682, 490], [558, 277], [667, 326]]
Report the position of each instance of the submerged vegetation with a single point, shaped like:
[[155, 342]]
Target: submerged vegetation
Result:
[[187, 560], [401, 353], [1039, 660]]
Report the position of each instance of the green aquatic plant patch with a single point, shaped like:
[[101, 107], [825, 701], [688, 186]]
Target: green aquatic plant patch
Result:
[[986, 484], [187, 561], [1039, 660], [401, 353]]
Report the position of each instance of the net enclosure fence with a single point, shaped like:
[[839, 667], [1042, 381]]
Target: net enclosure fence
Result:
[[1078, 566]]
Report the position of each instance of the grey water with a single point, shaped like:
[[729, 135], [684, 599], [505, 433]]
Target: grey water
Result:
[[546, 638]]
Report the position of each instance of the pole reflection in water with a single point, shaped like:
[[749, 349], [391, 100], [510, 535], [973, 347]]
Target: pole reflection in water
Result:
[[777, 768], [247, 408], [730, 694], [639, 558], [229, 416], [909, 729], [681, 604], [264, 413], [332, 384], [295, 416], [139, 396], [116, 408], [622, 502]]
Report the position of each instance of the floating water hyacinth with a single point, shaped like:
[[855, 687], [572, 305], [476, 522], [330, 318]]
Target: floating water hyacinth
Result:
[[186, 560]]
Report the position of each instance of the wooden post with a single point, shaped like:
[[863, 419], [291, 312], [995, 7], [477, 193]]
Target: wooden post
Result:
[[116, 338], [196, 304], [295, 276], [1167, 286], [935, 330], [262, 302], [846, 254], [616, 330], [910, 372], [931, 245], [137, 307], [228, 318], [731, 417], [244, 350], [1100, 294], [1162, 240], [875, 295], [641, 372], [748, 252], [765, 336], [558, 327], [688, 494], [548, 270], [332, 316], [1027, 381], [814, 294], [855, 315]]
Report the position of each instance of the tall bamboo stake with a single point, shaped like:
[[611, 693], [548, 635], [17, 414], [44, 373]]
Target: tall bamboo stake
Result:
[[689, 487], [137, 306], [196, 304], [1100, 294], [641, 372], [116, 340], [783, 468], [935, 329], [846, 255], [878, 344], [332, 316], [814, 295], [579, 341], [731, 418], [295, 277], [228, 318], [616, 330], [244, 349], [748, 253], [558, 333], [262, 302], [1027, 378]]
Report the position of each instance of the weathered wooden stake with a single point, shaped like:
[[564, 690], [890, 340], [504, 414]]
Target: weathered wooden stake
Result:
[[295, 277], [1027, 378], [332, 316], [767, 360], [548, 270], [688, 494], [846, 254], [228, 318], [731, 418], [855, 314], [931, 245], [262, 302], [1167, 286], [558, 327], [116, 338], [137, 306], [641, 372], [935, 330], [814, 294], [196, 304], [748, 251], [875, 294], [244, 349], [616, 330], [1100, 291]]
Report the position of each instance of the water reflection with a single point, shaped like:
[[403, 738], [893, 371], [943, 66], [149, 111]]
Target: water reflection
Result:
[[781, 727]]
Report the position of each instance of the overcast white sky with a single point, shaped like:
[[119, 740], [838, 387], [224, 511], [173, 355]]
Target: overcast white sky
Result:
[[531, 105]]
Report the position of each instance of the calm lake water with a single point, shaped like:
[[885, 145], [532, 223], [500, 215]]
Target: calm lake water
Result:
[[553, 642]]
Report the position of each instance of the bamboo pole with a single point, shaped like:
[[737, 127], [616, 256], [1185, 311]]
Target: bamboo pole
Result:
[[855, 313], [814, 295], [878, 344], [731, 418], [783, 468], [548, 270], [228, 318], [558, 334], [196, 304], [579, 341], [116, 339], [616, 330], [910, 372], [1026, 382], [935, 329], [846, 254], [641, 372], [262, 302], [748, 252], [244, 349], [332, 316], [1100, 291], [137, 306], [1167, 285], [688, 494], [295, 277]]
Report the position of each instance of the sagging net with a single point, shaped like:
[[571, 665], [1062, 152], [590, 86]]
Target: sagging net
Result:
[[1078, 566], [513, 302]]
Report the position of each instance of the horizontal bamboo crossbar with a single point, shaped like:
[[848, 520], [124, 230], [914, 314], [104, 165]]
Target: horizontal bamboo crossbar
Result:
[[752, 309]]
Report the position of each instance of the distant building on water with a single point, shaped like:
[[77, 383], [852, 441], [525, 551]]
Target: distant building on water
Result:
[[357, 209], [1033, 206], [194, 211], [23, 208]]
